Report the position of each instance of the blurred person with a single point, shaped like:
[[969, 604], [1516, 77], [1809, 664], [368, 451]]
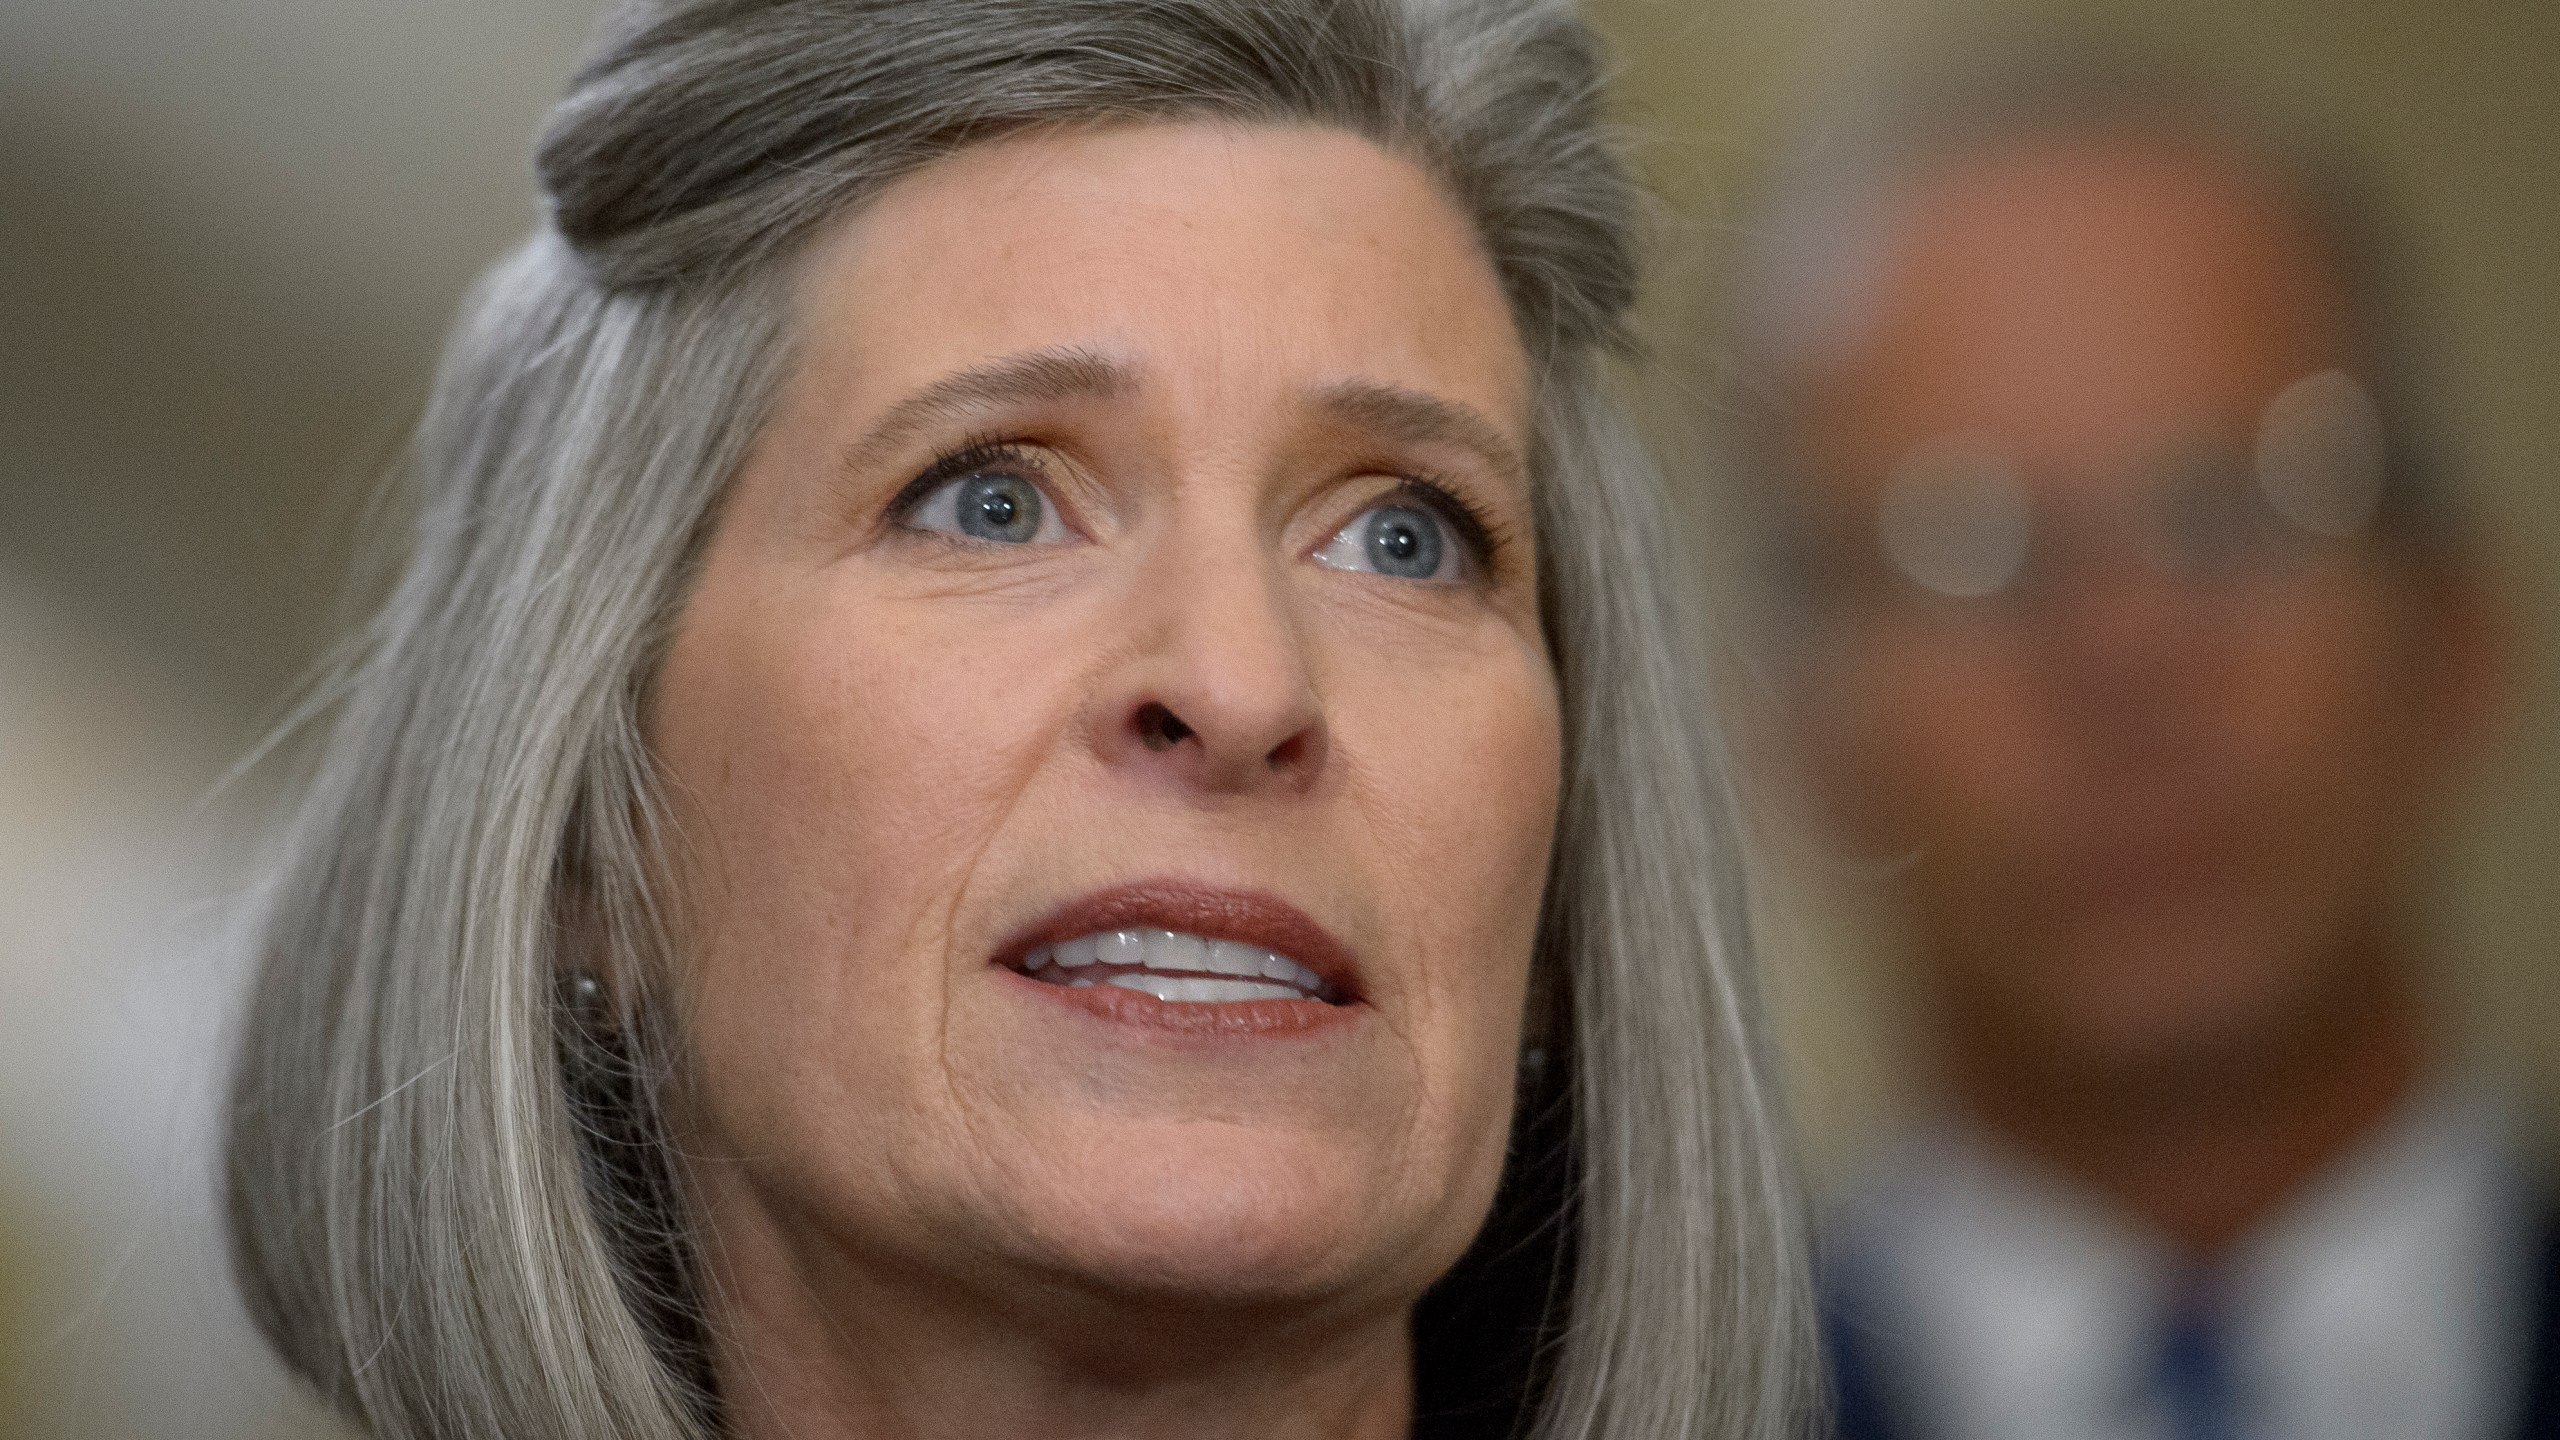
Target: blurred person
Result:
[[2124, 617], [1026, 775]]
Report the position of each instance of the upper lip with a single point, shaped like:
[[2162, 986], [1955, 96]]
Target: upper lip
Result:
[[1248, 917]]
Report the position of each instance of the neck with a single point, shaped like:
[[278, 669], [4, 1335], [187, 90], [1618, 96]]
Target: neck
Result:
[[2204, 1151], [830, 1348]]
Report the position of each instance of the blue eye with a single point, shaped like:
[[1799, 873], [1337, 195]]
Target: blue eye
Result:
[[1408, 542], [993, 505]]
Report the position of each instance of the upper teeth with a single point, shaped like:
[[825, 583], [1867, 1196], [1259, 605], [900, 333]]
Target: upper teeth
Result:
[[1173, 966]]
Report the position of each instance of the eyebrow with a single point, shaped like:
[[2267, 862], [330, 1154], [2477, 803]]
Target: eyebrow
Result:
[[1392, 412], [1033, 377], [1411, 417]]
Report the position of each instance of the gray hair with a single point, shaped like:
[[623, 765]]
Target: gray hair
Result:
[[1812, 246], [451, 1195]]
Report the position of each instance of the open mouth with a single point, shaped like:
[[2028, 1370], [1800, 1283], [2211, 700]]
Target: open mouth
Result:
[[1172, 966]]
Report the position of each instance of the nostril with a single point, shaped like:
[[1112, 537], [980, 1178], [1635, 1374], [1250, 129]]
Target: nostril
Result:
[[1159, 728], [1291, 752]]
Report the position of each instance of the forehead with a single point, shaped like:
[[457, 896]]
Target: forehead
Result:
[[2080, 301], [1211, 255]]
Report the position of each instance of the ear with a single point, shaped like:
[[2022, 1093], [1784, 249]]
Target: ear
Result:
[[2467, 664], [582, 947]]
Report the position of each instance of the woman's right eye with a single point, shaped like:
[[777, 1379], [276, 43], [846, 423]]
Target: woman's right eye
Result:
[[989, 503]]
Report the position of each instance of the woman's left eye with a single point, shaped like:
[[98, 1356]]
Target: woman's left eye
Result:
[[990, 504], [1404, 539]]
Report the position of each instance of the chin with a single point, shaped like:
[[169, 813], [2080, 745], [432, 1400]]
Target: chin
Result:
[[1230, 1215]]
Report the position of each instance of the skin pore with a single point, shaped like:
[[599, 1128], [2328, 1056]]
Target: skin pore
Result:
[[1173, 374], [2161, 830]]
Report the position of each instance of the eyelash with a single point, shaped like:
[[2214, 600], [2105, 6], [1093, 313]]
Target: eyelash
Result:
[[975, 454], [1484, 536]]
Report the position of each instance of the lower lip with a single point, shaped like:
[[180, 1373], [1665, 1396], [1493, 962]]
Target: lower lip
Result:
[[1217, 1019]]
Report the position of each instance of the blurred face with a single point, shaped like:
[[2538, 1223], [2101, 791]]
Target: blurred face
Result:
[[2158, 793], [1118, 748]]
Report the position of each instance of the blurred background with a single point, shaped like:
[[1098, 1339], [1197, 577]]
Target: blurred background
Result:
[[231, 235]]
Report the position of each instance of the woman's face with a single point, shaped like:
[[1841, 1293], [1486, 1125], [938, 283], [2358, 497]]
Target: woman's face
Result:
[[1113, 737]]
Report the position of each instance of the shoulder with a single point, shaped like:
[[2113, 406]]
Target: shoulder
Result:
[[2541, 1418]]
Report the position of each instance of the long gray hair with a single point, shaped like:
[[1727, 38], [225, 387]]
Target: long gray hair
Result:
[[453, 1204]]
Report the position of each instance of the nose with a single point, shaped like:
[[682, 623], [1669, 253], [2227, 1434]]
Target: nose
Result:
[[1215, 692], [2130, 652]]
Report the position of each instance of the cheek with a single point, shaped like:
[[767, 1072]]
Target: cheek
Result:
[[836, 740], [835, 775], [2312, 681], [1473, 772], [1924, 737], [2327, 714], [1459, 771]]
